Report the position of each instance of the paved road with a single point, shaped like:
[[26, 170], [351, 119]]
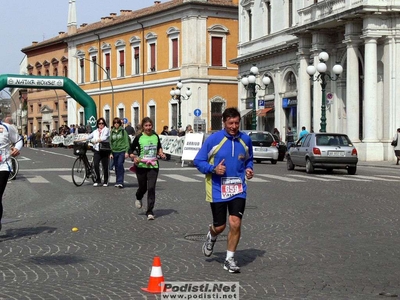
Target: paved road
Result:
[[304, 237]]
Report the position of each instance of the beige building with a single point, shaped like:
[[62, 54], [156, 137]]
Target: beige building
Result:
[[362, 36]]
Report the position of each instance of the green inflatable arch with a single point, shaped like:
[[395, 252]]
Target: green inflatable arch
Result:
[[54, 82]]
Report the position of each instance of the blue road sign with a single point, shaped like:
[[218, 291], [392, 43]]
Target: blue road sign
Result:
[[197, 112], [125, 120]]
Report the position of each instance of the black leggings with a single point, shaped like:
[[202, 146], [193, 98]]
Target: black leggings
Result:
[[3, 183], [102, 157], [147, 179]]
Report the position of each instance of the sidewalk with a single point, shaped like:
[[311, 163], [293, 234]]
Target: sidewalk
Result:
[[380, 164]]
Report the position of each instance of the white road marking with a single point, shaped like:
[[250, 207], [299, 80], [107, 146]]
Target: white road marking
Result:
[[312, 177], [281, 178], [181, 178], [341, 177], [373, 178]]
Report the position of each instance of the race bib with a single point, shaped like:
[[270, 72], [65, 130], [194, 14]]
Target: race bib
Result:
[[150, 152], [231, 186]]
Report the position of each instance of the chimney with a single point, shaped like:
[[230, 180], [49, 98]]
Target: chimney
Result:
[[83, 25], [125, 12], [72, 17], [113, 15], [61, 33], [157, 2], [34, 43]]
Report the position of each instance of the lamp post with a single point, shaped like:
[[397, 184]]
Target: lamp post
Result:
[[177, 95], [249, 83], [322, 77], [108, 77]]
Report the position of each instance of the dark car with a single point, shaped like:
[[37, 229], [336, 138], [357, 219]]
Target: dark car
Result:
[[323, 150], [282, 148]]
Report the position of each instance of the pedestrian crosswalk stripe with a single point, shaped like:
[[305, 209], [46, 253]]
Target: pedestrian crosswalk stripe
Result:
[[134, 176], [389, 176], [66, 177], [312, 177], [37, 179], [181, 178], [342, 177], [281, 178], [374, 178], [254, 179]]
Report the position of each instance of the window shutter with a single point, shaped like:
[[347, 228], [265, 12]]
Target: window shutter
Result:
[[175, 53], [121, 57], [153, 57], [216, 49], [136, 52], [107, 60]]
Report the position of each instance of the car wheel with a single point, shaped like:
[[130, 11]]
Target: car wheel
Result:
[[351, 170], [274, 161], [329, 170], [289, 164], [309, 166]]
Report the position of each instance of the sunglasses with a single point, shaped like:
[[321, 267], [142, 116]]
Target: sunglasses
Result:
[[117, 123], [100, 123]]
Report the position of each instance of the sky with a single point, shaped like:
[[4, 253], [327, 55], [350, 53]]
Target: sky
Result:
[[23, 22]]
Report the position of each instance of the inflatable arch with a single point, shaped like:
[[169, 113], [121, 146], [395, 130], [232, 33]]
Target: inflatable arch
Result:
[[54, 82]]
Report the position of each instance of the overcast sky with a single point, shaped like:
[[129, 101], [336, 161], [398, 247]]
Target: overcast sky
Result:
[[23, 22]]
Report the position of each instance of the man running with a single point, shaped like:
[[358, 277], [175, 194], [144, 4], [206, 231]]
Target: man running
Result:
[[226, 158]]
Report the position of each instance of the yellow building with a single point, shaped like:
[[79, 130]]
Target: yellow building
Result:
[[128, 64]]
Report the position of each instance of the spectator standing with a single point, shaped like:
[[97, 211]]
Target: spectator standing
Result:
[[8, 136], [119, 141], [173, 131], [303, 132], [165, 132], [147, 147], [397, 147], [289, 137], [101, 134], [226, 158], [277, 133]]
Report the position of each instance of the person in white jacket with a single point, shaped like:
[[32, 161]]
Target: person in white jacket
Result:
[[10, 145], [397, 147], [101, 134]]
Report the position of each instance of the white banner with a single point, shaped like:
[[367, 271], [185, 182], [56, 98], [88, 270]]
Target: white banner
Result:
[[172, 144], [69, 139], [192, 145]]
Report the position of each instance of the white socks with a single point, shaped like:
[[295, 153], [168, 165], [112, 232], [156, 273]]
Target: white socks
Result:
[[229, 254]]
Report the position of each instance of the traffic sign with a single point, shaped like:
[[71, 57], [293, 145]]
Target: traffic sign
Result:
[[197, 112], [125, 120]]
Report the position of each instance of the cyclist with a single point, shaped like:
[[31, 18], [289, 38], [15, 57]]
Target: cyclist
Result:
[[8, 136]]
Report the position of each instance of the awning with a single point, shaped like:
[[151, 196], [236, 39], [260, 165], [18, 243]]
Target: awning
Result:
[[263, 112], [245, 112]]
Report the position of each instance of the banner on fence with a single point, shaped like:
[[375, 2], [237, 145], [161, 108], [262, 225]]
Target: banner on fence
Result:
[[69, 139], [172, 144], [192, 145]]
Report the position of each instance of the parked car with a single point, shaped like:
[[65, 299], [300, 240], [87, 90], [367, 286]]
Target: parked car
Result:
[[323, 150], [264, 146], [282, 148]]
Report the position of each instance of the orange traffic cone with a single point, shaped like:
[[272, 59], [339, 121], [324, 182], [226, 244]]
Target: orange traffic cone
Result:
[[155, 285]]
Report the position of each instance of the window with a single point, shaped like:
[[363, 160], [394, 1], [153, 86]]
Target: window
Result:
[[47, 72], [136, 61], [152, 110], [107, 116], [107, 59], [82, 70], [174, 115], [173, 35], [55, 72], [121, 113], [39, 107], [217, 42], [152, 57], [151, 39], [65, 105], [81, 118], [174, 59], [135, 116], [55, 105], [268, 4], [31, 108], [94, 69], [250, 24], [65, 71], [216, 54], [121, 63], [216, 115]]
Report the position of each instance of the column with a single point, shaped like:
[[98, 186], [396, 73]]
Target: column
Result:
[[304, 86], [370, 84], [352, 91]]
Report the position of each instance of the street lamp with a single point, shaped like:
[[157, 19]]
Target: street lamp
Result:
[[108, 77], [322, 78], [177, 95], [249, 83]]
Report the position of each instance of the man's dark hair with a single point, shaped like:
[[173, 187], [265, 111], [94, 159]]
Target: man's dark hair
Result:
[[230, 112]]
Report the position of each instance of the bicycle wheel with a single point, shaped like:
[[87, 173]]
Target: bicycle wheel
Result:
[[14, 168], [92, 172], [79, 171]]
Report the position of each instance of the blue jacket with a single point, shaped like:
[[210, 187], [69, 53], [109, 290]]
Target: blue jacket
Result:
[[238, 154]]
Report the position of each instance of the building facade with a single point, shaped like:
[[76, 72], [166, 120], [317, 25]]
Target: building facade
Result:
[[128, 64], [360, 35]]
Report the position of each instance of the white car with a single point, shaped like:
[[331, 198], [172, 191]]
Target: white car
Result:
[[264, 146]]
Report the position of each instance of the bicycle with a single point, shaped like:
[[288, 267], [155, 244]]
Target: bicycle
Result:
[[14, 168], [82, 168]]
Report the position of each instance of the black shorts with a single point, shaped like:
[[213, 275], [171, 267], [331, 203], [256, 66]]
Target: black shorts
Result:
[[235, 207], [397, 152]]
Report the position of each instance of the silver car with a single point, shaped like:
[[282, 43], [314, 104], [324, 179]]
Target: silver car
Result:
[[264, 146], [323, 150]]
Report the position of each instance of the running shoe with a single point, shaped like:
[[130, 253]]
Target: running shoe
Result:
[[138, 204], [105, 184], [208, 245], [96, 184], [231, 266], [150, 217]]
